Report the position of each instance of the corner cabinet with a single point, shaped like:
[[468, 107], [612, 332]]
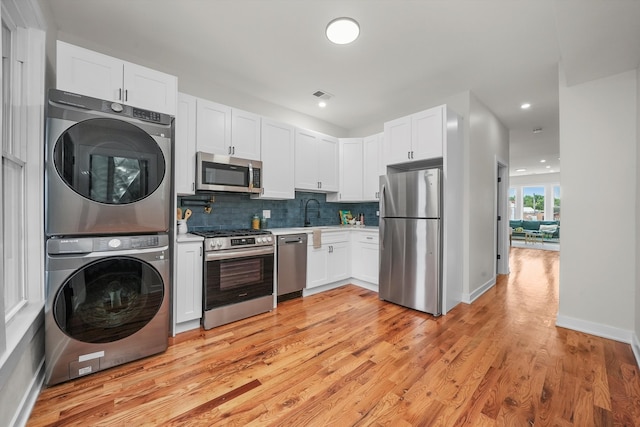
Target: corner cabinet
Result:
[[350, 161], [330, 262], [278, 167], [316, 161], [227, 131], [93, 74], [415, 137], [185, 145], [188, 284]]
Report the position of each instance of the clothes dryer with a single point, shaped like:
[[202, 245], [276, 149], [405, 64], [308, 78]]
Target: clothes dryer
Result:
[[107, 302], [108, 167]]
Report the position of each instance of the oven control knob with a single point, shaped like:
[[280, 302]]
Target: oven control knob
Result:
[[218, 244], [269, 239], [260, 239]]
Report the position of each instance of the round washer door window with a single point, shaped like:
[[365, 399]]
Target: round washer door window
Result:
[[108, 300], [109, 161]]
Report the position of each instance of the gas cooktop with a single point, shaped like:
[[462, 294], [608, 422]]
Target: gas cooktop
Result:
[[231, 233]]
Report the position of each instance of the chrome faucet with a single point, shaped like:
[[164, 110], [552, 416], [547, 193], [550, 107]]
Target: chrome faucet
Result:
[[307, 223]]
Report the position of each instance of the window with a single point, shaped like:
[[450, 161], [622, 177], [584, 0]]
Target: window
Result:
[[512, 203], [533, 203], [556, 203], [21, 173]]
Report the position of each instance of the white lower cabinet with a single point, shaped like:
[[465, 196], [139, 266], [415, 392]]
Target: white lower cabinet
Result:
[[365, 256], [330, 262], [188, 283]]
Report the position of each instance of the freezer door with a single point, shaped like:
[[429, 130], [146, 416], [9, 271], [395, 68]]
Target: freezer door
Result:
[[410, 263], [412, 194]]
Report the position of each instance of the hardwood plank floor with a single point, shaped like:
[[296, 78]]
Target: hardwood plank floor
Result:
[[344, 358]]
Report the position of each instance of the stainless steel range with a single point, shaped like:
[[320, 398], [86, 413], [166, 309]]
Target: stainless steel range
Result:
[[238, 275]]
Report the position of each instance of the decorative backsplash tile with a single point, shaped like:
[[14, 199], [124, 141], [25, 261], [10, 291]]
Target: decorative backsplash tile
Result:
[[230, 210]]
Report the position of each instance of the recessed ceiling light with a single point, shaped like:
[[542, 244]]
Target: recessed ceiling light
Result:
[[343, 30], [322, 104], [525, 106], [543, 161], [548, 166], [521, 170]]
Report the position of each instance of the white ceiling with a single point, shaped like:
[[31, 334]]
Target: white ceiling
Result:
[[410, 53]]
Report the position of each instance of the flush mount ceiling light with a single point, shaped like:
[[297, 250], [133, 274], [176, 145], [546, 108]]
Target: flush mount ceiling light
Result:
[[525, 106], [543, 161], [521, 170], [343, 30]]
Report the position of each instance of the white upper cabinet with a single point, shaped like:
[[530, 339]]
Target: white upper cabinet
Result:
[[415, 137], [213, 127], [316, 161], [93, 74], [245, 134], [373, 167], [278, 160], [227, 131], [185, 144], [350, 160]]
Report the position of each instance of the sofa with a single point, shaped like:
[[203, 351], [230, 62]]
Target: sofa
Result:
[[550, 229]]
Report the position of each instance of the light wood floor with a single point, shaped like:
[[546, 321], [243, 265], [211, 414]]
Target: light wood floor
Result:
[[344, 358]]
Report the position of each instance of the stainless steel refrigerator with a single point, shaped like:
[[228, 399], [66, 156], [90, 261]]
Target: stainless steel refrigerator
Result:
[[410, 240]]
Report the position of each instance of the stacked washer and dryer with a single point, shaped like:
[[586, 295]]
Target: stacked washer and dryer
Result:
[[107, 217]]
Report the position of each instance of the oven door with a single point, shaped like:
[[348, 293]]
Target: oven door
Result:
[[235, 276]]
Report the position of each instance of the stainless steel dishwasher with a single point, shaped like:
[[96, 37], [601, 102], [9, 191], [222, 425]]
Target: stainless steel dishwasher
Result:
[[292, 265]]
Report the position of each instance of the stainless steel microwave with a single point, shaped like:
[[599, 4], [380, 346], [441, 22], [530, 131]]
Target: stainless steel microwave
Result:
[[215, 172]]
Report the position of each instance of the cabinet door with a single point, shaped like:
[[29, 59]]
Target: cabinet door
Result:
[[278, 160], [150, 89], [397, 141], [327, 162], [317, 266], [338, 262], [426, 128], [306, 164], [245, 135], [351, 169], [188, 286], [89, 73], [213, 127], [372, 158], [185, 144], [366, 262]]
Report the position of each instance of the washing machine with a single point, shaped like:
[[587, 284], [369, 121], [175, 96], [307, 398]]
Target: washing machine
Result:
[[107, 302], [108, 167]]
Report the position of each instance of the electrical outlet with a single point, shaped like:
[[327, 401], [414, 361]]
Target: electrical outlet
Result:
[[266, 213], [377, 213]]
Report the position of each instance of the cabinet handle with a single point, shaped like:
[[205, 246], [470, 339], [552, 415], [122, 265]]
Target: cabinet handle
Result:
[[233, 150], [412, 154], [193, 186], [229, 150], [120, 94], [408, 154], [126, 95], [320, 184], [200, 251]]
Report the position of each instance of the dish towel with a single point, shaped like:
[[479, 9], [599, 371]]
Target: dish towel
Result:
[[317, 238]]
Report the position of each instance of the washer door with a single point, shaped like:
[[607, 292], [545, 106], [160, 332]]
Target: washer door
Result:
[[109, 161], [108, 300]]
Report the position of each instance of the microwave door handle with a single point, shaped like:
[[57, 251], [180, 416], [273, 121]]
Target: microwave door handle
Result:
[[250, 176]]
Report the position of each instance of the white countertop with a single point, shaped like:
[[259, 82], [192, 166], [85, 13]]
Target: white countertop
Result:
[[324, 228], [181, 238]]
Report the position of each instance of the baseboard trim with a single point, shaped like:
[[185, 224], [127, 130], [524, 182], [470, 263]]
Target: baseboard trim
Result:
[[23, 412], [469, 298], [312, 291], [366, 285], [597, 329], [635, 347]]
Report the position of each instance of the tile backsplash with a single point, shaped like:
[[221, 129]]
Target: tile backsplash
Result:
[[231, 210]]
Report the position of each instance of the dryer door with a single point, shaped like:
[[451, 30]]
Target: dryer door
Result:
[[108, 300], [109, 161]]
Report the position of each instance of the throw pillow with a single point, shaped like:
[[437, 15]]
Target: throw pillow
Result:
[[548, 228]]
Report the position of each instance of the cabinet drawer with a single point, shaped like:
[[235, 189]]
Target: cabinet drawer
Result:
[[367, 238], [330, 237]]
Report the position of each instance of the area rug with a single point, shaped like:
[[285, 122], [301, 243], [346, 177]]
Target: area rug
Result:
[[547, 246]]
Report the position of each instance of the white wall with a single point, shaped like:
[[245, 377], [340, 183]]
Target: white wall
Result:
[[488, 144], [635, 340], [598, 150]]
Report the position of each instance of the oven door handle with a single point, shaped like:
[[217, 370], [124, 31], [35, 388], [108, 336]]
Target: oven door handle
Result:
[[242, 253]]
